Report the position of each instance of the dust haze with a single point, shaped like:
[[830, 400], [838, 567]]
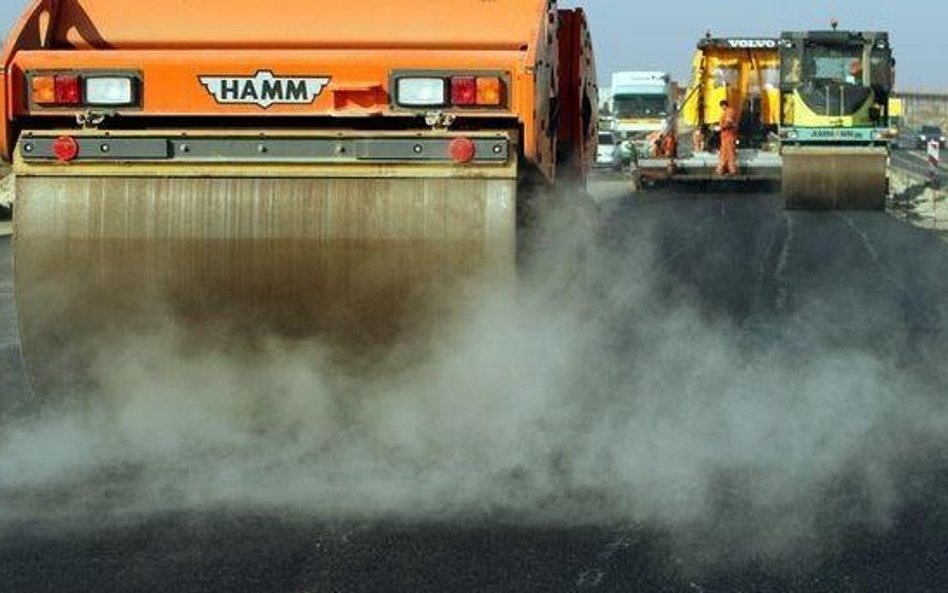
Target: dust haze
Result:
[[596, 391]]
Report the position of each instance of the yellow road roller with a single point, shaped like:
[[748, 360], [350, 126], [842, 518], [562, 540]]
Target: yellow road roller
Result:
[[835, 133]]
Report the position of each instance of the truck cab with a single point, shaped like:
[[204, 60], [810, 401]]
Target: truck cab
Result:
[[642, 104]]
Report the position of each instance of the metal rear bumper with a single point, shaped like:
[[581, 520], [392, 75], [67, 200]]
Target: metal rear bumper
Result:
[[202, 152]]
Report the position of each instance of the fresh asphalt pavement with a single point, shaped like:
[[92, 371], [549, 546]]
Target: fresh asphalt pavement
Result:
[[850, 279]]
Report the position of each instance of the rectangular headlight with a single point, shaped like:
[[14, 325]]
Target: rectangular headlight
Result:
[[421, 92], [109, 90]]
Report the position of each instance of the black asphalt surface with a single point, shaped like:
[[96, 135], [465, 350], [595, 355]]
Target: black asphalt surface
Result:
[[853, 279]]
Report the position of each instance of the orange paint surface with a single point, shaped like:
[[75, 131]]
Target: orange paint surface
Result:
[[357, 45]]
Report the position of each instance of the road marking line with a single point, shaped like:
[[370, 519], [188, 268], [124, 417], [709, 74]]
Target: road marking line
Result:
[[592, 577], [698, 231], [883, 269], [782, 259]]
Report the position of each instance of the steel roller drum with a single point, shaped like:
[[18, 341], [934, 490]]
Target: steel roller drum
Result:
[[847, 178], [349, 260]]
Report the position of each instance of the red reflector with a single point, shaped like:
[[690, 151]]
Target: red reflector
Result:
[[464, 90], [65, 148], [463, 150], [68, 90]]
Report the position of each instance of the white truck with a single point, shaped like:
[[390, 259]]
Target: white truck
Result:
[[641, 103]]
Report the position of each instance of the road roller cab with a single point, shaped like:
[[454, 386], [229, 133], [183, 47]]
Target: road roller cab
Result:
[[303, 170]]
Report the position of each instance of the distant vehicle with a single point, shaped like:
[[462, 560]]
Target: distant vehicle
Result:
[[928, 133], [607, 152], [640, 103]]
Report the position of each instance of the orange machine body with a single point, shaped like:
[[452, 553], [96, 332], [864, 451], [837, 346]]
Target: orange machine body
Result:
[[578, 91], [358, 48], [298, 168]]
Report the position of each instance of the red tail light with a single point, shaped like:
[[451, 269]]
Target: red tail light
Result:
[[73, 88], [462, 150], [65, 148], [464, 90], [68, 89]]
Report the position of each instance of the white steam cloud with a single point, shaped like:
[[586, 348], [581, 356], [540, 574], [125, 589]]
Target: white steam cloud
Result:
[[591, 395]]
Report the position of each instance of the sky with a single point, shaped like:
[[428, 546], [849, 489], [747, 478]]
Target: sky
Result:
[[661, 34]]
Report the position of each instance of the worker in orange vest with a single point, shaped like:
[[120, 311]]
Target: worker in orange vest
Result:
[[669, 145], [664, 144], [699, 139], [727, 155]]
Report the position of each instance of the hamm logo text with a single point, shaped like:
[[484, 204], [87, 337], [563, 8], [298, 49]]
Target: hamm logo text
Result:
[[264, 89]]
